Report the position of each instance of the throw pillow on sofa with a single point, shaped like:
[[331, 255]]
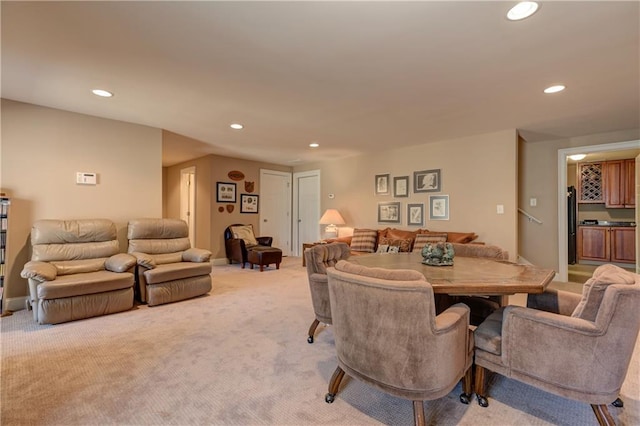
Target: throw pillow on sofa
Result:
[[403, 245], [382, 248], [428, 238], [364, 240]]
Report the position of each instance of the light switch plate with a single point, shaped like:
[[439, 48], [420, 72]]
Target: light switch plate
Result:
[[500, 209]]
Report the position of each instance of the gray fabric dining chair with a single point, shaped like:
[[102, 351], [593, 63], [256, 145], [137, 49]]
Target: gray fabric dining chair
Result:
[[576, 347], [318, 258], [387, 335], [481, 306]]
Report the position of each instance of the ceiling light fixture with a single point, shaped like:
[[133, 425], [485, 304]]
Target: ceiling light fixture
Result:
[[554, 89], [577, 157], [314, 144], [102, 93], [236, 126], [522, 10]]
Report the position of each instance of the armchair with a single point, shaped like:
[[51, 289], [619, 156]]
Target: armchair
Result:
[[238, 238], [76, 271], [168, 269], [318, 259], [594, 336], [387, 335]]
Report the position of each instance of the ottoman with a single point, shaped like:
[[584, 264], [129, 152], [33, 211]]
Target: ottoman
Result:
[[264, 256]]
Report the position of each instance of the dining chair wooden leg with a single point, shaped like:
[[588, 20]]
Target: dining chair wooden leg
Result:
[[312, 330], [418, 413], [334, 384], [467, 382], [603, 415], [480, 386]]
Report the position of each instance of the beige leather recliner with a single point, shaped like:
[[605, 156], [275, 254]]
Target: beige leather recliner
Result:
[[168, 269], [76, 271]]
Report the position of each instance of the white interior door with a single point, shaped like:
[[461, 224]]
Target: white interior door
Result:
[[188, 200], [306, 201], [275, 208]]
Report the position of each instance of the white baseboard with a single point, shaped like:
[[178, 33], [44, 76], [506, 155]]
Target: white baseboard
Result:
[[15, 304], [523, 261], [220, 262]]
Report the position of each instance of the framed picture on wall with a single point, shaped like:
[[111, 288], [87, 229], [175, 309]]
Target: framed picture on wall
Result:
[[401, 186], [226, 192], [426, 181], [439, 207], [382, 184], [415, 214], [389, 212], [248, 203]]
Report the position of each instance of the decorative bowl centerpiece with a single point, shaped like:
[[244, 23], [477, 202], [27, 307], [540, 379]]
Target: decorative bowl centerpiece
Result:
[[438, 254]]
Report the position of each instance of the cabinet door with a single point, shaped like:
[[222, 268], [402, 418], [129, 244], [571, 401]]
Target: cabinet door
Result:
[[614, 184], [593, 243], [590, 184], [630, 183], [623, 245]]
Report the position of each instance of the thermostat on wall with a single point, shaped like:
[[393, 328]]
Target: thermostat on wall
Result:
[[83, 178]]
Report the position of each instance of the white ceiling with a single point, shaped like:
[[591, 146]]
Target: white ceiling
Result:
[[353, 76]]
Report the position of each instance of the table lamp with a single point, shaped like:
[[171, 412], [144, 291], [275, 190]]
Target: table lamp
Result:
[[331, 218]]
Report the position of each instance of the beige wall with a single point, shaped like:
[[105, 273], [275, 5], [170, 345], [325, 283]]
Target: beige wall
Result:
[[478, 173], [211, 223], [539, 179], [43, 148]]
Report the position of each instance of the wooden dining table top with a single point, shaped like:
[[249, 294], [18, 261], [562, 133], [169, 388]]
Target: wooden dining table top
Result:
[[467, 275]]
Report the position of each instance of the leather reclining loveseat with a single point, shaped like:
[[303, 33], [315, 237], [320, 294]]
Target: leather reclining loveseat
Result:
[[77, 271]]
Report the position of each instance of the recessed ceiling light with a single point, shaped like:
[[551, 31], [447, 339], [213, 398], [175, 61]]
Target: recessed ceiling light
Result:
[[577, 157], [236, 126], [314, 144], [554, 89], [102, 93], [522, 10]]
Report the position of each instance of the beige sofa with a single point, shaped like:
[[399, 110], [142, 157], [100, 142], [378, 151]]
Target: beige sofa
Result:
[[372, 240], [76, 271]]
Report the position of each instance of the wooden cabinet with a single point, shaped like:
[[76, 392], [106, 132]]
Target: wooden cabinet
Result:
[[594, 243], [619, 184], [607, 244], [4, 218], [623, 245], [590, 183]]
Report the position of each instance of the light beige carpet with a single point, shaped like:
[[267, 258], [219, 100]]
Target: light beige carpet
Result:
[[236, 357]]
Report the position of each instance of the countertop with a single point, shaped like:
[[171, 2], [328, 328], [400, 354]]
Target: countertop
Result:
[[609, 223]]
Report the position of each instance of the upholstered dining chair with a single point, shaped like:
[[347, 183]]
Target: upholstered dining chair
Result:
[[577, 347], [481, 306], [318, 258], [387, 335]]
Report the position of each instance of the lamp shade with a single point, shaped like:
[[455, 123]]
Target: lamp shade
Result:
[[331, 217]]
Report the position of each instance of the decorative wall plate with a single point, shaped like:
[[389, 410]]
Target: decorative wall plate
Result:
[[230, 207], [249, 186], [220, 209], [235, 175]]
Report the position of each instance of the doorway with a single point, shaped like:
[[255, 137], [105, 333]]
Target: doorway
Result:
[[188, 200], [563, 262], [275, 208], [306, 204]]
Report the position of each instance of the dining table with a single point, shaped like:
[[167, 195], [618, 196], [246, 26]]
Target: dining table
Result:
[[467, 275]]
